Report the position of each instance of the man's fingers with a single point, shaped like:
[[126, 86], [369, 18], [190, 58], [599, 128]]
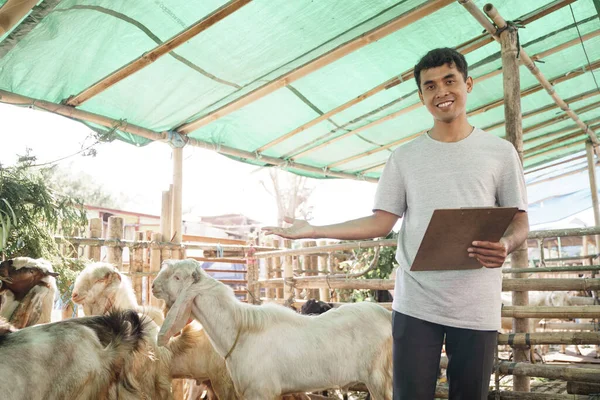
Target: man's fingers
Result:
[[289, 220], [487, 252], [490, 261], [488, 245]]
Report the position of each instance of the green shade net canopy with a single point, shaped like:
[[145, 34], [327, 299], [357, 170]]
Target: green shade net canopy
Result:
[[61, 48]]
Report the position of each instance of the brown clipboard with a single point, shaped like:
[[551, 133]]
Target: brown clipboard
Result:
[[452, 231]]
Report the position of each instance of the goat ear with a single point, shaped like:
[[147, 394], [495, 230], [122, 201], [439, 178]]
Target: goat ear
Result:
[[178, 315]]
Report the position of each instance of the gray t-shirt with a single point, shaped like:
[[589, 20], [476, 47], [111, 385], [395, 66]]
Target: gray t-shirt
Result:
[[481, 170]]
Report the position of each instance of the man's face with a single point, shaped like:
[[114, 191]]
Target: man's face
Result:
[[444, 92]]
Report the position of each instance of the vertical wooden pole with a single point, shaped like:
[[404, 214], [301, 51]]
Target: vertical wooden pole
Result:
[[253, 295], [310, 265], [279, 266], [270, 270], [115, 232], [323, 270], [176, 206], [593, 187], [514, 133], [288, 273], [155, 261], [165, 215], [136, 264], [94, 232]]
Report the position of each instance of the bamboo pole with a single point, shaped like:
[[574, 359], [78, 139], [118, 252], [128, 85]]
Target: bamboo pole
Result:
[[556, 177], [587, 388], [155, 262], [93, 252], [15, 99], [151, 56], [551, 269], [569, 326], [279, 266], [506, 395], [528, 62], [593, 187], [565, 373], [344, 49], [12, 12], [253, 295], [270, 270], [549, 338], [165, 214], [309, 265], [324, 269], [115, 234], [288, 275], [464, 48], [176, 205], [136, 264], [548, 107], [551, 312]]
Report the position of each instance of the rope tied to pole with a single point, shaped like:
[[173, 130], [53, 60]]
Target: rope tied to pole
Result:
[[512, 26]]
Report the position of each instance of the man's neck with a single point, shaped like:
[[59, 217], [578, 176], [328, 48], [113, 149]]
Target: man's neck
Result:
[[453, 131]]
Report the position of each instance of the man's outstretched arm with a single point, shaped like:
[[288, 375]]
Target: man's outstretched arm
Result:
[[379, 224]]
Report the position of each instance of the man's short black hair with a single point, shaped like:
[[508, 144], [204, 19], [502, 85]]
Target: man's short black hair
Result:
[[437, 58]]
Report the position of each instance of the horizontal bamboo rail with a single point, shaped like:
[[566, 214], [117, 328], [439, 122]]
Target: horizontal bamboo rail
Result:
[[551, 312], [569, 326], [220, 260], [549, 338], [508, 285], [582, 268], [233, 271], [506, 395], [565, 373], [207, 239]]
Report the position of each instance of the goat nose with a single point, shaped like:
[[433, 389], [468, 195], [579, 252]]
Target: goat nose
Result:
[[74, 295]]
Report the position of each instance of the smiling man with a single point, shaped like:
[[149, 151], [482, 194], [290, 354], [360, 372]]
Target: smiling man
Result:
[[453, 165]]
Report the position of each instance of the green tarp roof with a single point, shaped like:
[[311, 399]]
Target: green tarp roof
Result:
[[66, 46]]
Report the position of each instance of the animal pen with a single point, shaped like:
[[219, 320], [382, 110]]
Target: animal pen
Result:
[[308, 98]]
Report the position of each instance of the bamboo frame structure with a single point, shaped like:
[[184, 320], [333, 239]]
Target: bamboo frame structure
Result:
[[315, 64], [565, 373], [12, 12], [531, 171], [528, 62], [593, 186], [568, 129], [549, 107], [549, 338], [464, 48], [16, 99], [176, 202], [151, 56]]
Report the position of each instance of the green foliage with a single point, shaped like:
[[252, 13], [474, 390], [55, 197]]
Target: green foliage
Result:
[[385, 265], [31, 212]]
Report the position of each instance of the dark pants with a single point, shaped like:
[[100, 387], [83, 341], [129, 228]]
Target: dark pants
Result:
[[417, 351]]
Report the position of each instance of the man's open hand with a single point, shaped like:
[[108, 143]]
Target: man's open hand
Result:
[[299, 229], [489, 254]]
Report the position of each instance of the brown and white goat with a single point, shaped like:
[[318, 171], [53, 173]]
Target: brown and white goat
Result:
[[27, 289], [82, 358]]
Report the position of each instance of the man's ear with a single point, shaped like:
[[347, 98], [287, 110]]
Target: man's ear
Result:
[[470, 84]]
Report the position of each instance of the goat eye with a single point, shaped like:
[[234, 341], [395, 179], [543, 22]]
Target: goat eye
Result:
[[176, 278]]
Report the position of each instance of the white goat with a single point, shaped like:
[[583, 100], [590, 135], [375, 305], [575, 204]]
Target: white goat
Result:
[[27, 289], [194, 357], [271, 350], [100, 287], [83, 358]]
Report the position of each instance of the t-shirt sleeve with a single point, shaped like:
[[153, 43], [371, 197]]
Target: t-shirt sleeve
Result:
[[391, 192], [511, 190]]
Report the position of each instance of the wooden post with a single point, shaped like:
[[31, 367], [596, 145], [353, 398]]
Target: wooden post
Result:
[[115, 232], [593, 186], [288, 273], [253, 295], [94, 232], [155, 261], [176, 206], [514, 133], [165, 215], [311, 265], [279, 266], [136, 264], [324, 269], [270, 270], [296, 267]]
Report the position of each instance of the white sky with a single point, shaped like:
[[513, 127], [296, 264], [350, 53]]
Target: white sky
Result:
[[213, 184]]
